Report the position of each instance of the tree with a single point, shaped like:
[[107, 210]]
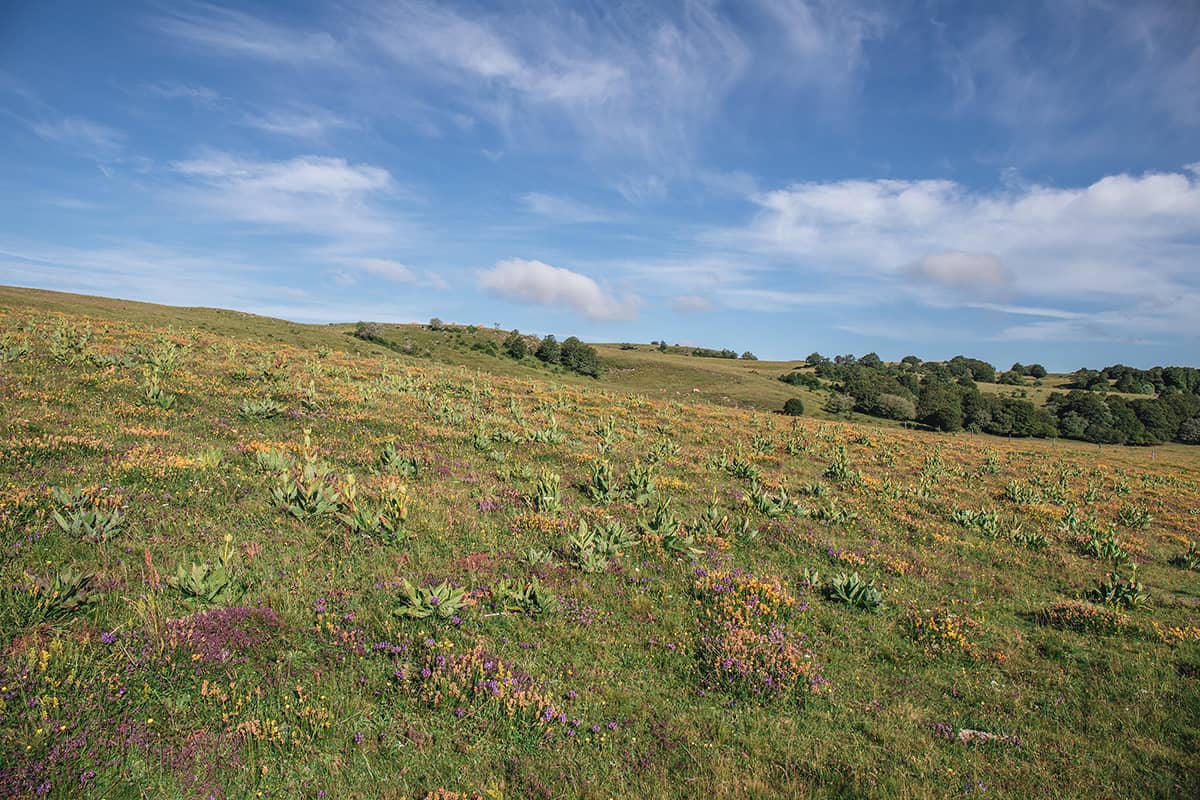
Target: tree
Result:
[[515, 345], [1036, 371], [940, 407], [436, 324], [579, 357], [871, 361], [549, 351], [815, 358], [793, 407], [748, 356], [911, 361]]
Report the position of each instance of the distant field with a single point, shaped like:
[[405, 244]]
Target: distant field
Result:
[[249, 558]]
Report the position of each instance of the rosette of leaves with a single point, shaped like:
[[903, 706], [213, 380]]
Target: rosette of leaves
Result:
[[1189, 559], [546, 497], [443, 601], [392, 460], [1134, 517], [585, 554], [260, 409], [638, 486], [854, 591], [1120, 592], [1105, 548], [32, 601], [208, 582], [1033, 540], [274, 460], [85, 522], [613, 538], [662, 520], [600, 487], [681, 543], [523, 597]]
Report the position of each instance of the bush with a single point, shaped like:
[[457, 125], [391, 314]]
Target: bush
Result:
[[840, 404], [369, 331], [515, 346], [894, 406], [794, 407], [1189, 431], [549, 350]]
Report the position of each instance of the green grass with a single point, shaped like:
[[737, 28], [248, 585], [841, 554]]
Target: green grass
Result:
[[313, 683]]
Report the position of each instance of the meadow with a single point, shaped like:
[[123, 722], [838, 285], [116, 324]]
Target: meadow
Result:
[[249, 558]]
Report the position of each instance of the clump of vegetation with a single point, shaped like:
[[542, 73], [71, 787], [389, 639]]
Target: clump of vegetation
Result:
[[1120, 592], [854, 591], [444, 601], [1081, 616]]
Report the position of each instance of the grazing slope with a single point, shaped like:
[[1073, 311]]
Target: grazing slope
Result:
[[250, 558]]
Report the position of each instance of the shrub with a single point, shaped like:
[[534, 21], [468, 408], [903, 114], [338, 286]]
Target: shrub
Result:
[[549, 351], [515, 346], [369, 331], [894, 406], [839, 404], [793, 407]]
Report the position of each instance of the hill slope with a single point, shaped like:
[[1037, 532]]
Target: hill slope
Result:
[[246, 556]]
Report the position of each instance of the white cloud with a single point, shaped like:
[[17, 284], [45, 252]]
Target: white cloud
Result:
[[538, 283], [976, 272], [1123, 241], [562, 209], [213, 28], [181, 91], [691, 304], [300, 123], [390, 270], [153, 273], [310, 194], [81, 135]]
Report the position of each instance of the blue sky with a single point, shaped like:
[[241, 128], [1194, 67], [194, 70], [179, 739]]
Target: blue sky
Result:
[[1015, 181]]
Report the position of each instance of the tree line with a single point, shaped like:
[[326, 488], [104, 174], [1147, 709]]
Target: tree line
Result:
[[945, 396]]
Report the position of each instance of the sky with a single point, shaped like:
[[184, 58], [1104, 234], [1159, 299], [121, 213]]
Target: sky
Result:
[[1012, 181]]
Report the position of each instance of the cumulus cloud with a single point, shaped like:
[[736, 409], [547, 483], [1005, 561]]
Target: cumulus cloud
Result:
[[1123, 235], [538, 283], [1124, 248]]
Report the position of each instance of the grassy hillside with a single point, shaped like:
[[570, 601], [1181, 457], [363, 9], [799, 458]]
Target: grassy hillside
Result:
[[248, 558]]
